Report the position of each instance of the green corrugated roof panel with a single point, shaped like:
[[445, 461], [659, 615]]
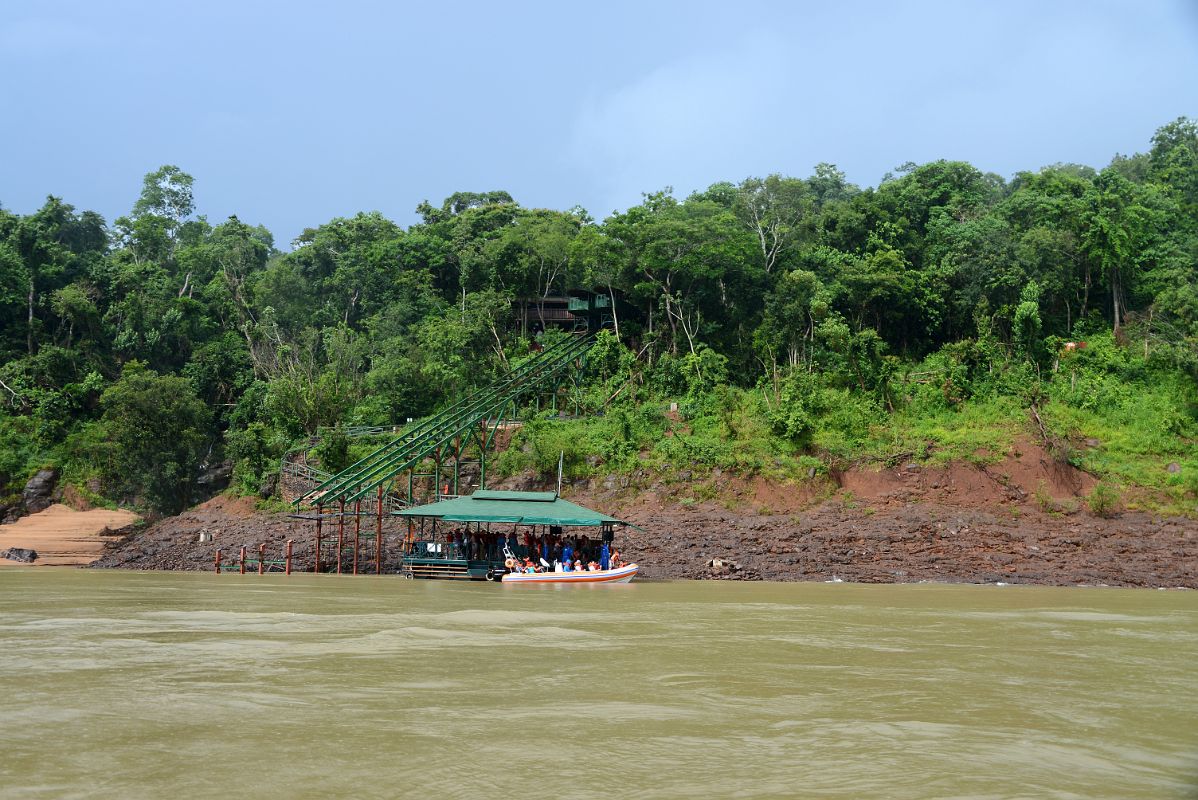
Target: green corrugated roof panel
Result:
[[530, 497], [522, 508]]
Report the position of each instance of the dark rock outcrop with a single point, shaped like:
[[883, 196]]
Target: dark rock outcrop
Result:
[[216, 478], [22, 554], [39, 491]]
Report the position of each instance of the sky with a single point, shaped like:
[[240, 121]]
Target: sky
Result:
[[290, 114]]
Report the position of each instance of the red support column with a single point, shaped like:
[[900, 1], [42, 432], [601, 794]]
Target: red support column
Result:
[[243, 559], [357, 531], [340, 532], [378, 537], [288, 558], [319, 513], [218, 561]]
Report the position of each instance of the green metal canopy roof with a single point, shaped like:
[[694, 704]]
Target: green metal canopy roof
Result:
[[521, 508]]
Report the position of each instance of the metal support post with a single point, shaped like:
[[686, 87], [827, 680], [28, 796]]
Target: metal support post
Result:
[[319, 514], [457, 462], [357, 530], [340, 532], [378, 537], [437, 474]]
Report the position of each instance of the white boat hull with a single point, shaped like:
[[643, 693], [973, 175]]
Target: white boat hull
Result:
[[621, 575]]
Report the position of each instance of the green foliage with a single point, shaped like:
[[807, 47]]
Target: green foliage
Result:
[[539, 446], [19, 454], [1103, 500], [1143, 416], [1026, 323], [796, 322], [799, 407], [980, 431], [157, 434], [703, 370], [588, 447], [255, 454], [333, 450]]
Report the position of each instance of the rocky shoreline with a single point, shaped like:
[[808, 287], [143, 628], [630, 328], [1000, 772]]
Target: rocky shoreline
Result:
[[886, 540]]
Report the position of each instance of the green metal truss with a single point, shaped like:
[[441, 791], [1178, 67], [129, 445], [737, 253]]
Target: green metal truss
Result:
[[474, 419]]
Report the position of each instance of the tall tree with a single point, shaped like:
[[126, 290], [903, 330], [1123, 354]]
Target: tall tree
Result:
[[773, 209], [1118, 225]]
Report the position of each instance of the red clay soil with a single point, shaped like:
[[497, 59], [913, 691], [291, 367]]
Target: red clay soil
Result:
[[1020, 520]]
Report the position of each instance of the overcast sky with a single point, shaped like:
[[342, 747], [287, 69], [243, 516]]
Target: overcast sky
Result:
[[289, 114]]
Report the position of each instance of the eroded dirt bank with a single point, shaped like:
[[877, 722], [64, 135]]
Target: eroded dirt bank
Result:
[[1018, 521]]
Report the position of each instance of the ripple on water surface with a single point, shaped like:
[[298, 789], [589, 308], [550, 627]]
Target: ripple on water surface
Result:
[[135, 685]]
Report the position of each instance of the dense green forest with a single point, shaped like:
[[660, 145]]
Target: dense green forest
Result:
[[800, 323]]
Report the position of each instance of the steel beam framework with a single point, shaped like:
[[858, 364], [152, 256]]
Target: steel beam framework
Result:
[[468, 426]]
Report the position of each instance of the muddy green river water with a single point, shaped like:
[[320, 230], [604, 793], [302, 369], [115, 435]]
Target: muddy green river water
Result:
[[170, 685]]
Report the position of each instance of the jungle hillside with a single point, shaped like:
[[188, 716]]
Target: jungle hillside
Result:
[[779, 327]]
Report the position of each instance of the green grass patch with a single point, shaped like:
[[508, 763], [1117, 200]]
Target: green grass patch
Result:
[[976, 432]]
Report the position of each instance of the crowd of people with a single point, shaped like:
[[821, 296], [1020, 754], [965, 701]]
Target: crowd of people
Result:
[[534, 552], [609, 561]]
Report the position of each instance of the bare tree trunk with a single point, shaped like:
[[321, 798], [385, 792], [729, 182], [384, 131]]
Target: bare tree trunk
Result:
[[1085, 295], [673, 326], [777, 385], [498, 344], [1147, 331], [690, 337], [29, 329], [1115, 299], [615, 315], [10, 391]]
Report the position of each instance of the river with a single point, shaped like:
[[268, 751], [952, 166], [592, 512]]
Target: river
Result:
[[175, 685]]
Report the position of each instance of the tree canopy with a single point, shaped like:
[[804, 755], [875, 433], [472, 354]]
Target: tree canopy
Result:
[[190, 341]]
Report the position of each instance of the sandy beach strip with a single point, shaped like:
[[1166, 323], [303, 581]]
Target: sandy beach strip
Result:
[[62, 536]]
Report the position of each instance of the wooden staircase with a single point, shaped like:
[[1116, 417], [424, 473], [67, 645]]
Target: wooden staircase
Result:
[[445, 570]]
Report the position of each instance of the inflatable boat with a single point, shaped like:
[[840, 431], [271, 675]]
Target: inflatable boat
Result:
[[620, 575]]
